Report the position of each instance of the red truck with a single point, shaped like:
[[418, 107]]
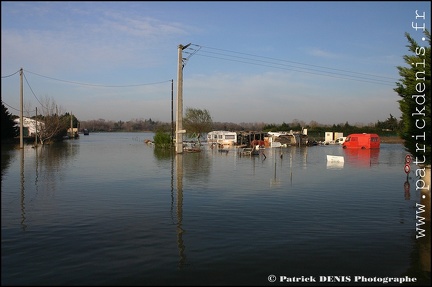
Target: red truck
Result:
[[362, 141]]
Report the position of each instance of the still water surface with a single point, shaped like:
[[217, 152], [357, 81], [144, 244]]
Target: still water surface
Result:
[[107, 209]]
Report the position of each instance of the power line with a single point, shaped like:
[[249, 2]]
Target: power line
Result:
[[28, 84], [72, 82], [346, 77], [10, 75], [32, 91], [10, 106], [98, 85], [322, 67], [281, 64], [284, 66]]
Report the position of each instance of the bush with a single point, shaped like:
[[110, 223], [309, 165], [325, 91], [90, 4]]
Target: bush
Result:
[[162, 140]]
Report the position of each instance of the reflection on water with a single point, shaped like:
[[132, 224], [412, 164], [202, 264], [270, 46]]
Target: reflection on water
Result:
[[180, 231], [335, 164], [425, 241], [162, 153], [119, 212], [22, 190], [421, 254], [197, 165], [45, 160], [7, 156], [362, 157]]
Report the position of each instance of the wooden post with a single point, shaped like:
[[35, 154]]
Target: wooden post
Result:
[[72, 133], [172, 112], [179, 111], [21, 110], [36, 128]]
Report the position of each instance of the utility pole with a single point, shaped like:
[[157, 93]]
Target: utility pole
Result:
[[172, 112], [36, 123], [179, 112], [72, 135], [21, 110]]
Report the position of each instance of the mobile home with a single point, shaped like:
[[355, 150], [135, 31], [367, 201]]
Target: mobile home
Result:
[[363, 141], [222, 137]]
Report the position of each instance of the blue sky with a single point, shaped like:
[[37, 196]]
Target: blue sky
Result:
[[271, 62]]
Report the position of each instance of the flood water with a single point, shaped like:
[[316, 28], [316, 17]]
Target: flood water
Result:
[[108, 209]]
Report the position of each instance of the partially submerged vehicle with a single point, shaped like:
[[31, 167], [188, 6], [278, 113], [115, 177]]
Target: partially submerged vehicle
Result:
[[340, 140], [362, 141]]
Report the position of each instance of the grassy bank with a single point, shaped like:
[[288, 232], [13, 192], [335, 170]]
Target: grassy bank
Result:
[[391, 139]]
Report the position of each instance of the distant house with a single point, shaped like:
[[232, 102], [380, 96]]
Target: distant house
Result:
[[73, 130], [29, 126]]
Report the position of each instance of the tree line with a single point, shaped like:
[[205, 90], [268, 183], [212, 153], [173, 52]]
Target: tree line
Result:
[[390, 126], [196, 120]]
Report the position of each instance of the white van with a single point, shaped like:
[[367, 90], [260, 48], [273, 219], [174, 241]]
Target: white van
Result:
[[340, 140]]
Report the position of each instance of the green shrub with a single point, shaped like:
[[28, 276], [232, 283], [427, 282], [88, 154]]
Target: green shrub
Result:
[[162, 140]]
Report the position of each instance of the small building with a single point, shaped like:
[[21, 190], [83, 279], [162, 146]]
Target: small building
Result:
[[72, 132], [29, 126]]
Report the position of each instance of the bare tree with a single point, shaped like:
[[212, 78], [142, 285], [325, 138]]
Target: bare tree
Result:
[[53, 125], [197, 121]]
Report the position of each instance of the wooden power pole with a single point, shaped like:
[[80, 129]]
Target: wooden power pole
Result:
[[179, 112], [21, 110]]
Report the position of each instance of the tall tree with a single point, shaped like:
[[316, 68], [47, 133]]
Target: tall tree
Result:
[[8, 127], [390, 124], [197, 121], [415, 105]]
